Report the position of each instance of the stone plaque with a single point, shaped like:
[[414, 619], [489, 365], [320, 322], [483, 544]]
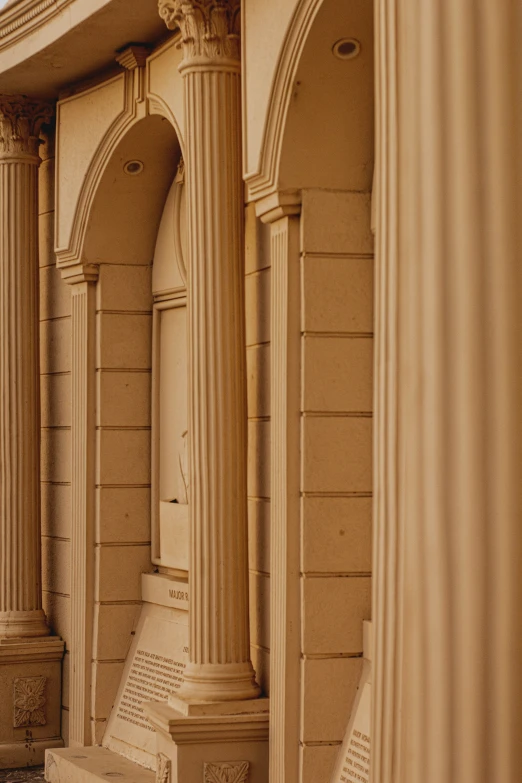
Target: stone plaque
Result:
[[154, 670], [353, 762]]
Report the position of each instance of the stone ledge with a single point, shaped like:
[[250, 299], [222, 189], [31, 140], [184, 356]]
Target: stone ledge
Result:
[[92, 765]]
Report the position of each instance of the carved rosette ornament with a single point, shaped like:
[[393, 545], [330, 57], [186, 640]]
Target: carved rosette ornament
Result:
[[209, 28], [29, 701], [21, 120]]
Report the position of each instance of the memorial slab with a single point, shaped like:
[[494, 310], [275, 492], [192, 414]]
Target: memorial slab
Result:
[[353, 763], [154, 668]]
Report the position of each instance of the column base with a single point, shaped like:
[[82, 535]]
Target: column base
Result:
[[219, 682], [23, 625], [213, 742], [30, 707]]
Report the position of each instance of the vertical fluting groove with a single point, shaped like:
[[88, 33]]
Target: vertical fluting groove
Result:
[[20, 581], [219, 632], [82, 507], [284, 490], [448, 540]]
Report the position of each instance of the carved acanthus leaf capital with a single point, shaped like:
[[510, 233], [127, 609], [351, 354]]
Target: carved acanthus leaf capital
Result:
[[209, 28], [21, 120]]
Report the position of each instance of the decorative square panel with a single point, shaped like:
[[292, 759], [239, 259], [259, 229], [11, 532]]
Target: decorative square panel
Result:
[[226, 772], [29, 701]]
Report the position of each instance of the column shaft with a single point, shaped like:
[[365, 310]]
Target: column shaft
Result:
[[219, 667], [448, 628], [20, 571]]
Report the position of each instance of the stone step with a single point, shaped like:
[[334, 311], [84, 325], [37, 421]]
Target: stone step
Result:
[[93, 765]]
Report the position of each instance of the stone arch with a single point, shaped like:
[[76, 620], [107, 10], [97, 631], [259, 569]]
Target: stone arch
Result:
[[292, 154]]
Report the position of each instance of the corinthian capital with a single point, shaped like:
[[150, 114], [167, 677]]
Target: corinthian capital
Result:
[[21, 119], [209, 28]]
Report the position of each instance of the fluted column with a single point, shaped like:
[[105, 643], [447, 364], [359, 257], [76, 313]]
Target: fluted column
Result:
[[21, 613], [219, 667], [448, 592]]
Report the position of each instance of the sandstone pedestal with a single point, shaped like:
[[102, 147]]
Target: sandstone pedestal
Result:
[[30, 689], [213, 743]]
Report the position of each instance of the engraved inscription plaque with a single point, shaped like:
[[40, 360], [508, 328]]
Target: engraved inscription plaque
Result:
[[354, 761], [153, 671]]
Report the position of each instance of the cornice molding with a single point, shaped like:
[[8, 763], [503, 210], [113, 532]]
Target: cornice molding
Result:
[[209, 28], [21, 120], [19, 19]]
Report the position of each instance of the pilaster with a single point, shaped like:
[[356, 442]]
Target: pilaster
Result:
[[281, 211], [83, 280]]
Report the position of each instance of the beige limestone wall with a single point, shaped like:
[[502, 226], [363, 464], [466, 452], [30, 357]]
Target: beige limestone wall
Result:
[[336, 464], [257, 301], [55, 380], [122, 515]]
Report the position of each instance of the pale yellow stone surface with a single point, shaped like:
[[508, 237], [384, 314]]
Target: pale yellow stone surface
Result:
[[124, 399], [337, 294], [55, 391], [328, 690], [337, 454], [55, 295], [334, 610], [124, 341], [56, 510], [257, 305], [107, 676], [55, 455], [114, 624], [317, 762], [55, 345], [123, 514], [123, 457], [337, 534], [58, 611], [259, 609], [337, 374], [56, 560], [119, 570], [124, 288], [258, 381], [259, 534], [46, 256], [336, 222], [259, 459]]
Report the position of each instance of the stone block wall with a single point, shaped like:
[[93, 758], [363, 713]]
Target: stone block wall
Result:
[[336, 464], [55, 388]]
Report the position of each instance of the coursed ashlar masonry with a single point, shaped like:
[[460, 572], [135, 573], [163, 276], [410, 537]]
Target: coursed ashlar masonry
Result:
[[30, 670]]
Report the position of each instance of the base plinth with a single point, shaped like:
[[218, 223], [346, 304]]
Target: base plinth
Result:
[[210, 743], [30, 707]]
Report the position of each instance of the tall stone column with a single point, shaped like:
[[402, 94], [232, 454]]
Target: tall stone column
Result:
[[448, 532], [219, 667], [21, 613]]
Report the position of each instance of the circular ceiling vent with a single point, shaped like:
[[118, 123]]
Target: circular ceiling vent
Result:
[[346, 48], [133, 168]]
